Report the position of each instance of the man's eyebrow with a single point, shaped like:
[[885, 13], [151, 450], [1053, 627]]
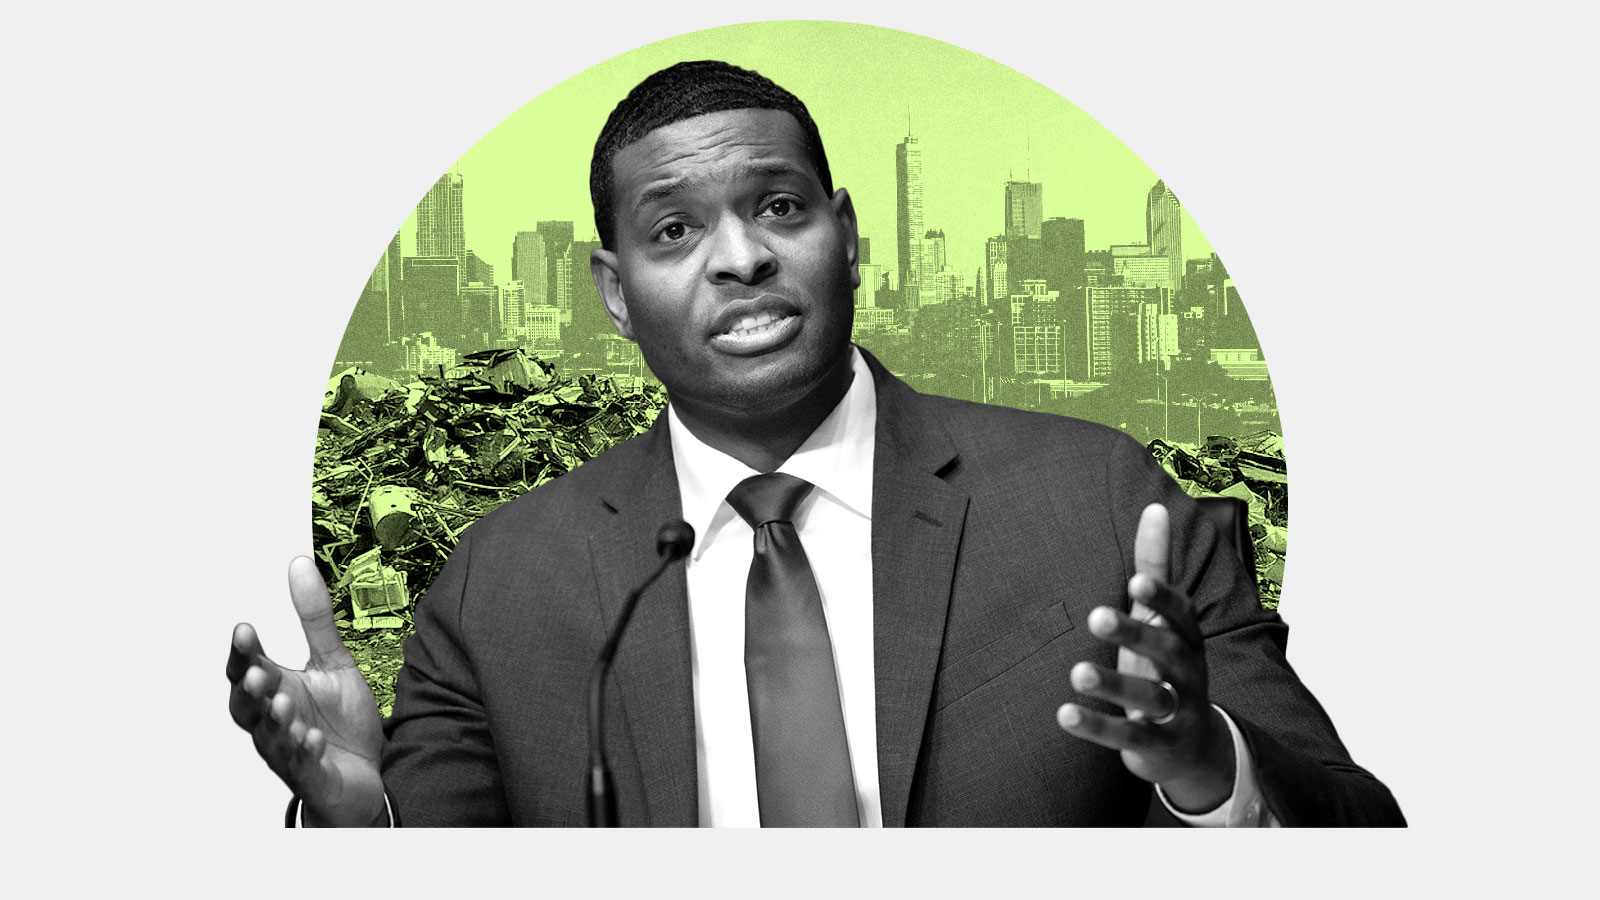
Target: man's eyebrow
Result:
[[660, 191], [665, 190]]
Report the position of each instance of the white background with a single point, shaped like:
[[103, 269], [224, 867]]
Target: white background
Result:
[[196, 192]]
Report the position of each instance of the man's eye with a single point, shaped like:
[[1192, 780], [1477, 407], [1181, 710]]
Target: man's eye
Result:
[[779, 207], [673, 232]]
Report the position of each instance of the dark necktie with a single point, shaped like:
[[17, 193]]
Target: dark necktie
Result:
[[802, 761]]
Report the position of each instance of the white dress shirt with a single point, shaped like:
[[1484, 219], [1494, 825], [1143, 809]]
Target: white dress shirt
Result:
[[835, 524]]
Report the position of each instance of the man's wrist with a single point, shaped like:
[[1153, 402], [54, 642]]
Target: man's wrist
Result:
[[310, 817], [1209, 784]]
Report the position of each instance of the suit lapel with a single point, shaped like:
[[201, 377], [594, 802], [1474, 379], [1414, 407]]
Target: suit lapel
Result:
[[917, 523], [652, 683]]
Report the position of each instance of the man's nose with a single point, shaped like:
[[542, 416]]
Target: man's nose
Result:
[[740, 254]]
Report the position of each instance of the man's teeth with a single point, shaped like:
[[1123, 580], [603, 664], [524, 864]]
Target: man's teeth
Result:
[[755, 323]]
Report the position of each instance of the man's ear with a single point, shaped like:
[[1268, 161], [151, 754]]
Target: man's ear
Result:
[[608, 279], [846, 211]]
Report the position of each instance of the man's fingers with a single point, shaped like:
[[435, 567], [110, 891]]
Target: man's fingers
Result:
[[311, 601], [261, 681], [290, 747], [1174, 608], [1152, 542], [1160, 645], [1114, 732], [243, 650], [245, 709], [1135, 695]]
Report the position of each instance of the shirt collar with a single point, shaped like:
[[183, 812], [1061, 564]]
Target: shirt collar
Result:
[[837, 458]]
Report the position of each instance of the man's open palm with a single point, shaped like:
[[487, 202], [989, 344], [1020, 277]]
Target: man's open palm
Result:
[[318, 729]]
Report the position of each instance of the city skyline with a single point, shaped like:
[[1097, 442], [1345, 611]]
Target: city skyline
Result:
[[978, 125], [1048, 317], [1156, 209]]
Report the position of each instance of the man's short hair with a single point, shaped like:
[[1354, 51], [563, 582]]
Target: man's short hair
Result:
[[680, 92]]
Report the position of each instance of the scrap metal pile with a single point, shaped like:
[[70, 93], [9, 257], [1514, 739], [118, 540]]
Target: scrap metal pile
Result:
[[402, 470], [1253, 469]]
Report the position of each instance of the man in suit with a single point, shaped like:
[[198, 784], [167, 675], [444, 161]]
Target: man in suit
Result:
[[1022, 619]]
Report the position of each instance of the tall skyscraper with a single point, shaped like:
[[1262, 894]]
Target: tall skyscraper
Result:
[[1062, 250], [479, 326], [995, 253], [871, 278], [588, 318], [1062, 246], [933, 252], [440, 229], [1024, 208], [1036, 338], [474, 268], [1163, 231], [530, 266], [559, 265], [908, 214], [1119, 334], [511, 315], [432, 297], [396, 264]]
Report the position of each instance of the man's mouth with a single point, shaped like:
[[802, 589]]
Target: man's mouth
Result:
[[755, 324], [757, 332]]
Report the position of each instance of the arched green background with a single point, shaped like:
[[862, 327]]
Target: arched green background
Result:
[[978, 125]]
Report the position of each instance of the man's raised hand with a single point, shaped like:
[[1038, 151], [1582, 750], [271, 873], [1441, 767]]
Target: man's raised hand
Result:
[[1171, 734], [319, 729]]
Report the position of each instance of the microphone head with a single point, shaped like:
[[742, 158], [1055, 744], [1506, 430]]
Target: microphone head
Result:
[[675, 540]]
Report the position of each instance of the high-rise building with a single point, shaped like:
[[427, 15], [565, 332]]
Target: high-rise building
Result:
[[557, 235], [1061, 251], [1163, 231], [908, 214], [587, 315], [1120, 332], [559, 264], [511, 316], [933, 252], [994, 253], [395, 289], [871, 279], [367, 334], [1024, 208], [1143, 271], [1035, 339], [440, 225], [928, 287], [480, 306], [474, 268], [863, 250], [530, 266], [431, 298]]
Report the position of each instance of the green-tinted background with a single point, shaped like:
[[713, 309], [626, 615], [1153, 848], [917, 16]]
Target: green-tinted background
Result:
[[978, 125]]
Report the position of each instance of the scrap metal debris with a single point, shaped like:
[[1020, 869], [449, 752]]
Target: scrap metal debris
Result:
[[1253, 469], [402, 470]]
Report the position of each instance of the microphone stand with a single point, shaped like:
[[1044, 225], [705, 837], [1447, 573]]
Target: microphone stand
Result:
[[673, 542]]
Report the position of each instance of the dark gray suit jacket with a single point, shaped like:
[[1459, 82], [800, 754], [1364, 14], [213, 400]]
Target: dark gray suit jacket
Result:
[[994, 533]]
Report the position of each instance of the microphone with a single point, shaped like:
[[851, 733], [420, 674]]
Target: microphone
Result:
[[674, 540]]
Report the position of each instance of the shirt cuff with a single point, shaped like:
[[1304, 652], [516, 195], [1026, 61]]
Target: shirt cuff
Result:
[[297, 812], [1245, 807]]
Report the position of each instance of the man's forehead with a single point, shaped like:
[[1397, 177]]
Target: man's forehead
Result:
[[728, 144]]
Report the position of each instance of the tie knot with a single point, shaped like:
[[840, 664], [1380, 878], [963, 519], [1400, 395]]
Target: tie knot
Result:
[[772, 497]]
